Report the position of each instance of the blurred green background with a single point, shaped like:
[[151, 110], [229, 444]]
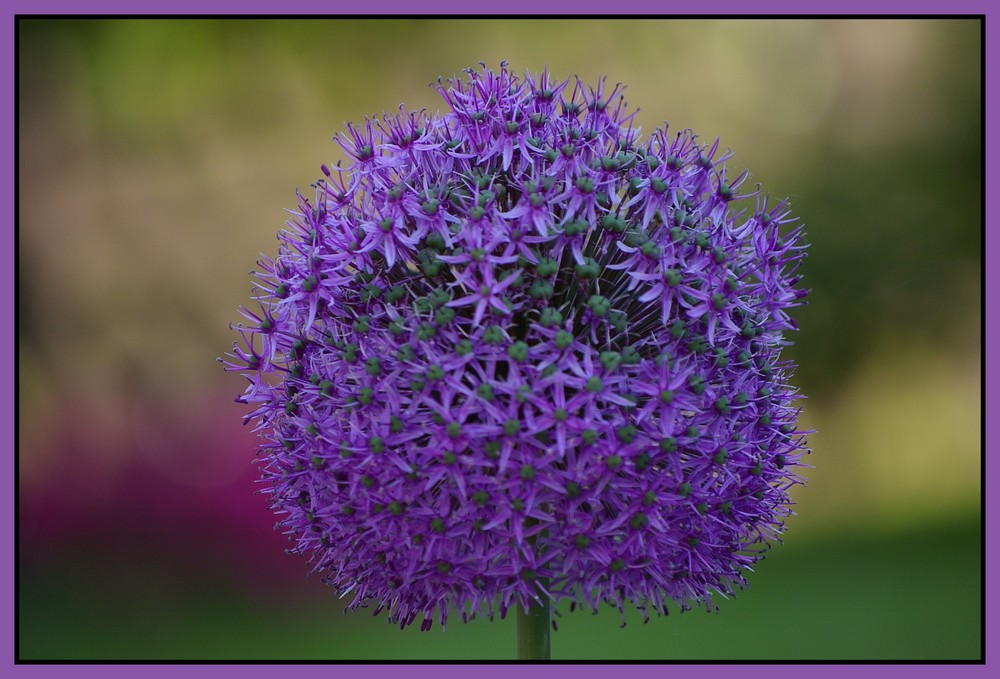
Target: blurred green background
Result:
[[156, 160]]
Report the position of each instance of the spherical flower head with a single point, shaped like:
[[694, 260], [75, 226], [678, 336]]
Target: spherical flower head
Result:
[[515, 351]]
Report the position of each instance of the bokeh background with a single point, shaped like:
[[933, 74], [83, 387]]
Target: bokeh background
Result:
[[156, 160]]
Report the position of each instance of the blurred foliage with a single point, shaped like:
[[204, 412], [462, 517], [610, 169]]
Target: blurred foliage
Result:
[[156, 158], [853, 598], [887, 179]]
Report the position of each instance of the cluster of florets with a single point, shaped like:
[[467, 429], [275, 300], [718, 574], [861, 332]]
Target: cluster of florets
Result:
[[514, 351]]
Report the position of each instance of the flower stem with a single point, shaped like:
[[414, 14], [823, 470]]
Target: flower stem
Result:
[[533, 631]]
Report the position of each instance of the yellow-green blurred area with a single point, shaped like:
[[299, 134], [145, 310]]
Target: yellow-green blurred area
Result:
[[157, 159]]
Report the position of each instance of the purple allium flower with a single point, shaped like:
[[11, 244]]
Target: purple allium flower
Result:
[[515, 351]]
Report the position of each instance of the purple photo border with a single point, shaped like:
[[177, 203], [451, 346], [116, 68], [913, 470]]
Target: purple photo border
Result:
[[445, 7]]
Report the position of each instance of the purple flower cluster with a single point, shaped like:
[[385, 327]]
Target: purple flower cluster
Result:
[[515, 351]]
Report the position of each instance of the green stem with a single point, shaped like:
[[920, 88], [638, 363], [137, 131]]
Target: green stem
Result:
[[533, 632]]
